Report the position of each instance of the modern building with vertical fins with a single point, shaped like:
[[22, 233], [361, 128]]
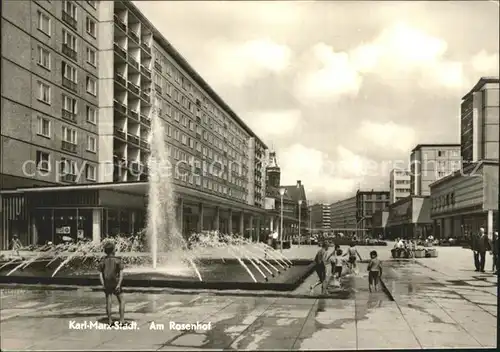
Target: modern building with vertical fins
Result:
[[85, 79]]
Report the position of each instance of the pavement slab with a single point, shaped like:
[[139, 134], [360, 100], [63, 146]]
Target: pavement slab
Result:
[[433, 303]]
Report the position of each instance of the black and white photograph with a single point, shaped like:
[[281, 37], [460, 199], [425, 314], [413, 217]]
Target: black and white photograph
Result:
[[249, 175]]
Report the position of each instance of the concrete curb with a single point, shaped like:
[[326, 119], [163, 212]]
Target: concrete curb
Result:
[[13, 287]]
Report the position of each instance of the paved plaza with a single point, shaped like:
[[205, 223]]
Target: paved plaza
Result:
[[432, 303]]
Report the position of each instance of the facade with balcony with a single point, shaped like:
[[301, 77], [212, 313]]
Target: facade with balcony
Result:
[[97, 91]]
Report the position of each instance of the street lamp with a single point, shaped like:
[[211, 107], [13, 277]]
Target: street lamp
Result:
[[282, 193], [300, 206]]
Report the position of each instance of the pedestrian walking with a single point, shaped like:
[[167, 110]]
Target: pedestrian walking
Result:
[[483, 246], [111, 277], [494, 252], [320, 266], [474, 244]]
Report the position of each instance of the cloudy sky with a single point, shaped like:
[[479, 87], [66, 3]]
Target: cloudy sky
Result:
[[341, 90]]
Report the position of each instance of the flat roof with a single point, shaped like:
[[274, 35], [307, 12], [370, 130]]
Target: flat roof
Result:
[[179, 59], [419, 146], [482, 81], [132, 187]]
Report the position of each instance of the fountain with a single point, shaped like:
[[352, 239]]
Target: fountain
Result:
[[171, 262]]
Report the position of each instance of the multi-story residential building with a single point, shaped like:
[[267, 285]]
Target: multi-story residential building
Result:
[[479, 121], [86, 79], [320, 217], [431, 162], [467, 199], [343, 216], [399, 185], [367, 203]]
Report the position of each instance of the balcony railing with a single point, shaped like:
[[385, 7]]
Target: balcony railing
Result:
[[133, 62], [120, 79], [133, 139], [134, 115], [68, 115], [120, 134], [145, 120], [146, 47], [158, 66], [120, 107], [70, 178], [133, 88], [69, 52], [146, 71], [120, 23], [66, 82], [120, 50], [146, 97], [144, 144], [158, 88], [134, 36], [68, 146], [70, 21]]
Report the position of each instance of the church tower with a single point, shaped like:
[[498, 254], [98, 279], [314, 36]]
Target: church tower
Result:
[[273, 171]]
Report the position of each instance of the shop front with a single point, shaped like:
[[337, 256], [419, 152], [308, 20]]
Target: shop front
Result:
[[409, 218], [466, 201], [91, 212]]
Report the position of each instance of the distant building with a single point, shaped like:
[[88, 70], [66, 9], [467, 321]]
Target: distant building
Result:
[[291, 196], [343, 216], [431, 162], [409, 218], [479, 123], [467, 200], [367, 203], [320, 217], [399, 185]]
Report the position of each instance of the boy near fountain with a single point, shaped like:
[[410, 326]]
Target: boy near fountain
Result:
[[320, 261], [374, 271], [111, 276]]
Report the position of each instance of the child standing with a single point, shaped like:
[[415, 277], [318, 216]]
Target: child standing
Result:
[[374, 271], [111, 276], [353, 255], [339, 264], [320, 268]]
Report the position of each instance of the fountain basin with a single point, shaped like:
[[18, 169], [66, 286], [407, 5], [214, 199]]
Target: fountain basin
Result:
[[217, 273]]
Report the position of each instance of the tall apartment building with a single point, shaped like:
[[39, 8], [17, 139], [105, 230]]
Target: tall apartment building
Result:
[[431, 162], [320, 217], [89, 75], [85, 79], [479, 122], [343, 215], [367, 203], [399, 184]]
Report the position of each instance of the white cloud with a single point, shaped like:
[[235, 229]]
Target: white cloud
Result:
[[274, 123], [336, 76], [316, 171], [324, 175], [486, 63], [398, 51], [235, 64], [387, 135]]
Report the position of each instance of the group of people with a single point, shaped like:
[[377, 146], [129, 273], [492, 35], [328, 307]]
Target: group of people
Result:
[[337, 260], [480, 244]]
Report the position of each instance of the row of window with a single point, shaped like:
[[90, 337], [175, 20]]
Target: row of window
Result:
[[45, 94], [69, 135], [204, 102], [44, 57], [70, 16], [402, 182], [402, 190], [211, 185], [236, 148], [443, 201], [66, 166], [205, 151]]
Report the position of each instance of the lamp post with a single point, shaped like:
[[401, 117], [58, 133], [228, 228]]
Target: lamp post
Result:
[[282, 193], [300, 206]]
